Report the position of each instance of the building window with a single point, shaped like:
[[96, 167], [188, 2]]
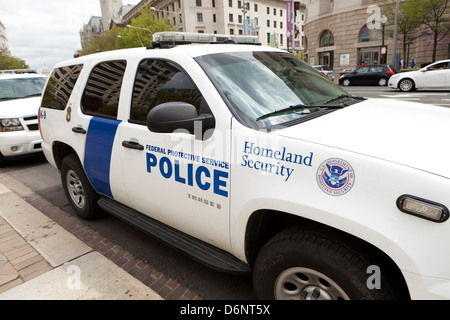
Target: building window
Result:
[[268, 10], [230, 3], [274, 11], [214, 17], [199, 17], [256, 7], [281, 24], [231, 31], [213, 3], [366, 35], [230, 17], [239, 4], [281, 13], [268, 23], [326, 39], [198, 3], [179, 4], [239, 19], [274, 24], [268, 37]]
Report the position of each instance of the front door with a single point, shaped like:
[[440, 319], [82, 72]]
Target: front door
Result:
[[171, 176]]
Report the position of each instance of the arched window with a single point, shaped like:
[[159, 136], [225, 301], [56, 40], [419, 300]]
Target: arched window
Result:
[[366, 35], [326, 39]]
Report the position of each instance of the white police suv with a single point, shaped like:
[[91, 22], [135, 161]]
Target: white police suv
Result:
[[249, 160], [20, 95]]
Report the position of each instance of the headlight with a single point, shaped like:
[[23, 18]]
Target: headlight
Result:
[[8, 125]]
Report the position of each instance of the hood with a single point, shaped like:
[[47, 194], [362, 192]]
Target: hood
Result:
[[20, 107], [406, 133]]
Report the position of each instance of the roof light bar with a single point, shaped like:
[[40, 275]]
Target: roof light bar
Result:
[[170, 39]]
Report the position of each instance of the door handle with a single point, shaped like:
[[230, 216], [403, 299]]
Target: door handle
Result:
[[132, 145], [78, 130]]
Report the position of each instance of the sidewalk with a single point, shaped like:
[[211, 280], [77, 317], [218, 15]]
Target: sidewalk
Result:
[[39, 260]]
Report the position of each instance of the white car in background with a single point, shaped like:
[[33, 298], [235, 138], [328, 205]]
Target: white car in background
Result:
[[20, 97], [433, 76]]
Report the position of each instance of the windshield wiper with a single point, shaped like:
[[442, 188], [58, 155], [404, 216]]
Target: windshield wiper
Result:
[[338, 97], [297, 107]]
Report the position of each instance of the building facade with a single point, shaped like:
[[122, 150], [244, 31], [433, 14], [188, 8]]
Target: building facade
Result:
[[3, 39], [345, 34], [267, 19]]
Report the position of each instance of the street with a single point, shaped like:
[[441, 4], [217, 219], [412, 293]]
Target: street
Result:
[[437, 97], [44, 181]]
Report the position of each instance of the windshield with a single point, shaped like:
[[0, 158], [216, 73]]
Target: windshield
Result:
[[20, 88], [260, 83]]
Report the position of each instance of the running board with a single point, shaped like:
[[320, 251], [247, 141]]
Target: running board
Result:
[[200, 251]]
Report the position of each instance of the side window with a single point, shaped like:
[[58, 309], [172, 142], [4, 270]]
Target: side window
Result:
[[102, 92], [159, 81], [60, 86]]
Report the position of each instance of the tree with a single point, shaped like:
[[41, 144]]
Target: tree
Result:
[[139, 34], [409, 20], [8, 62], [435, 16]]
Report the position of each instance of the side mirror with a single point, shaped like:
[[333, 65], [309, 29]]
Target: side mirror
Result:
[[171, 116]]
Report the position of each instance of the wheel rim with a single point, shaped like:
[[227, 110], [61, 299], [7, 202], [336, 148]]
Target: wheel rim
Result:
[[382, 82], [307, 284], [75, 188], [346, 83], [406, 85]]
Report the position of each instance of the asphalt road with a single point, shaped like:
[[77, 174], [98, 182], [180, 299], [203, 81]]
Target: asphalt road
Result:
[[437, 97]]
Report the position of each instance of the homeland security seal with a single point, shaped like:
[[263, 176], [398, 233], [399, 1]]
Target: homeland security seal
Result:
[[335, 177]]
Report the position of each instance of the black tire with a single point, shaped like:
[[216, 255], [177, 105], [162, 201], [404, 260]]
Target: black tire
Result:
[[346, 82], [78, 189], [407, 85], [304, 264], [382, 82]]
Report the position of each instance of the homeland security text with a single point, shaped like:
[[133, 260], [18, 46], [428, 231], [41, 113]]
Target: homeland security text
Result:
[[275, 166]]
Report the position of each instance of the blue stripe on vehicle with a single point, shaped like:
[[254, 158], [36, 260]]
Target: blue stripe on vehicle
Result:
[[97, 158]]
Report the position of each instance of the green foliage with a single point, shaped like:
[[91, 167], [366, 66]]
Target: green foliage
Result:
[[8, 62], [138, 35]]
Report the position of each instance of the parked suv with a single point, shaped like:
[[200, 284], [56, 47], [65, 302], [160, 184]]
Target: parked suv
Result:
[[20, 95], [251, 162]]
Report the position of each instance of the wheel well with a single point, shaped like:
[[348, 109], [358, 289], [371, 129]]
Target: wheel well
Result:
[[263, 225], [60, 151]]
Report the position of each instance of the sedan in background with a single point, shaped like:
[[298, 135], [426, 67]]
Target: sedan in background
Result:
[[369, 75], [433, 76], [326, 71]]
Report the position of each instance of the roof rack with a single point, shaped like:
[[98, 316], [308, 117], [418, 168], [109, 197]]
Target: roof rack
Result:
[[171, 39]]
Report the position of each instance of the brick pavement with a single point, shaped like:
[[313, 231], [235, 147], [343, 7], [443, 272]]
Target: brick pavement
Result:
[[19, 262]]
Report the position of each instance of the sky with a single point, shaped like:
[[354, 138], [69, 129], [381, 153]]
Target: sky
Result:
[[45, 32]]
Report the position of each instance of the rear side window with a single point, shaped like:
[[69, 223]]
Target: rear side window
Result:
[[60, 86], [102, 92]]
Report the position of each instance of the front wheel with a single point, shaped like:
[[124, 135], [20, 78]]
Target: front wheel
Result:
[[78, 189], [308, 264], [406, 85]]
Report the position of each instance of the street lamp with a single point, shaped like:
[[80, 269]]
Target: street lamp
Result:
[[245, 9], [383, 48], [129, 26], [395, 32], [153, 9]]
